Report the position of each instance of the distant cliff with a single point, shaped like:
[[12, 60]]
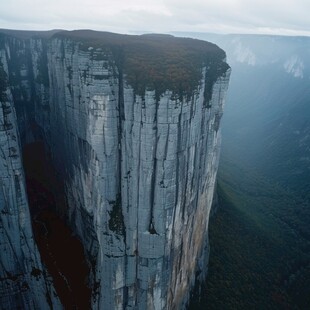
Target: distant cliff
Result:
[[132, 126], [282, 136]]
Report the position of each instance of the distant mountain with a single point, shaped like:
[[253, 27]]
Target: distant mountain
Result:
[[260, 236], [267, 116]]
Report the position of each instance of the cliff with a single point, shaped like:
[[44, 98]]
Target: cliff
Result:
[[132, 127], [24, 282]]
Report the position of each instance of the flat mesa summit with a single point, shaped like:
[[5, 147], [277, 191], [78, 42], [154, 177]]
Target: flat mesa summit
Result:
[[130, 125]]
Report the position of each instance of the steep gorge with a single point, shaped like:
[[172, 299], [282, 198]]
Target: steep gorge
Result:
[[131, 125]]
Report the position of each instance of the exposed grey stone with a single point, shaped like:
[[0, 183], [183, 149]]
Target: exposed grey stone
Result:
[[24, 283], [139, 185]]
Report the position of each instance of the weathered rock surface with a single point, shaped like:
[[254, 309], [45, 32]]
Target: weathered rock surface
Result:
[[138, 168], [24, 284]]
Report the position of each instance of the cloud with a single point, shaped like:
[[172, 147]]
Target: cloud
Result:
[[243, 16]]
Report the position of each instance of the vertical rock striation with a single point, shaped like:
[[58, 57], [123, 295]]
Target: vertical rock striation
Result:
[[137, 153], [24, 283], [169, 163]]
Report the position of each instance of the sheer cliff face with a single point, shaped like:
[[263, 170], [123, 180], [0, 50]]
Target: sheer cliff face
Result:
[[23, 281], [138, 167]]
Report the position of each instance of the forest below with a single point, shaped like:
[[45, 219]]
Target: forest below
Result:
[[260, 245]]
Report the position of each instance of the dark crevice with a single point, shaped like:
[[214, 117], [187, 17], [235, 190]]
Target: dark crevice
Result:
[[61, 252], [152, 229], [119, 209], [120, 123]]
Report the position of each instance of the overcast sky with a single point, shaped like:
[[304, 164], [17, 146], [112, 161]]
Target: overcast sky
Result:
[[127, 16]]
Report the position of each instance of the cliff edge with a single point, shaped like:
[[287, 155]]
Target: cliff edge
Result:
[[131, 124]]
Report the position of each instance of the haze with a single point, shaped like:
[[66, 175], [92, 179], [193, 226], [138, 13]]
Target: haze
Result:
[[220, 16]]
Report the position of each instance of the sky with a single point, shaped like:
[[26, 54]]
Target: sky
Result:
[[284, 17]]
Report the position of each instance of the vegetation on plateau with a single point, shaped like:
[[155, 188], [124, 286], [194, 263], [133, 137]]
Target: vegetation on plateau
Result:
[[157, 62], [3, 83]]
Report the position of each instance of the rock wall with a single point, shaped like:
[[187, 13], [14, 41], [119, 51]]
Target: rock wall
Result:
[[24, 283], [138, 170]]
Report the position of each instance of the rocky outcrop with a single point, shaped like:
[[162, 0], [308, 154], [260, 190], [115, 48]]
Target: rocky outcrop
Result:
[[138, 161], [24, 282]]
